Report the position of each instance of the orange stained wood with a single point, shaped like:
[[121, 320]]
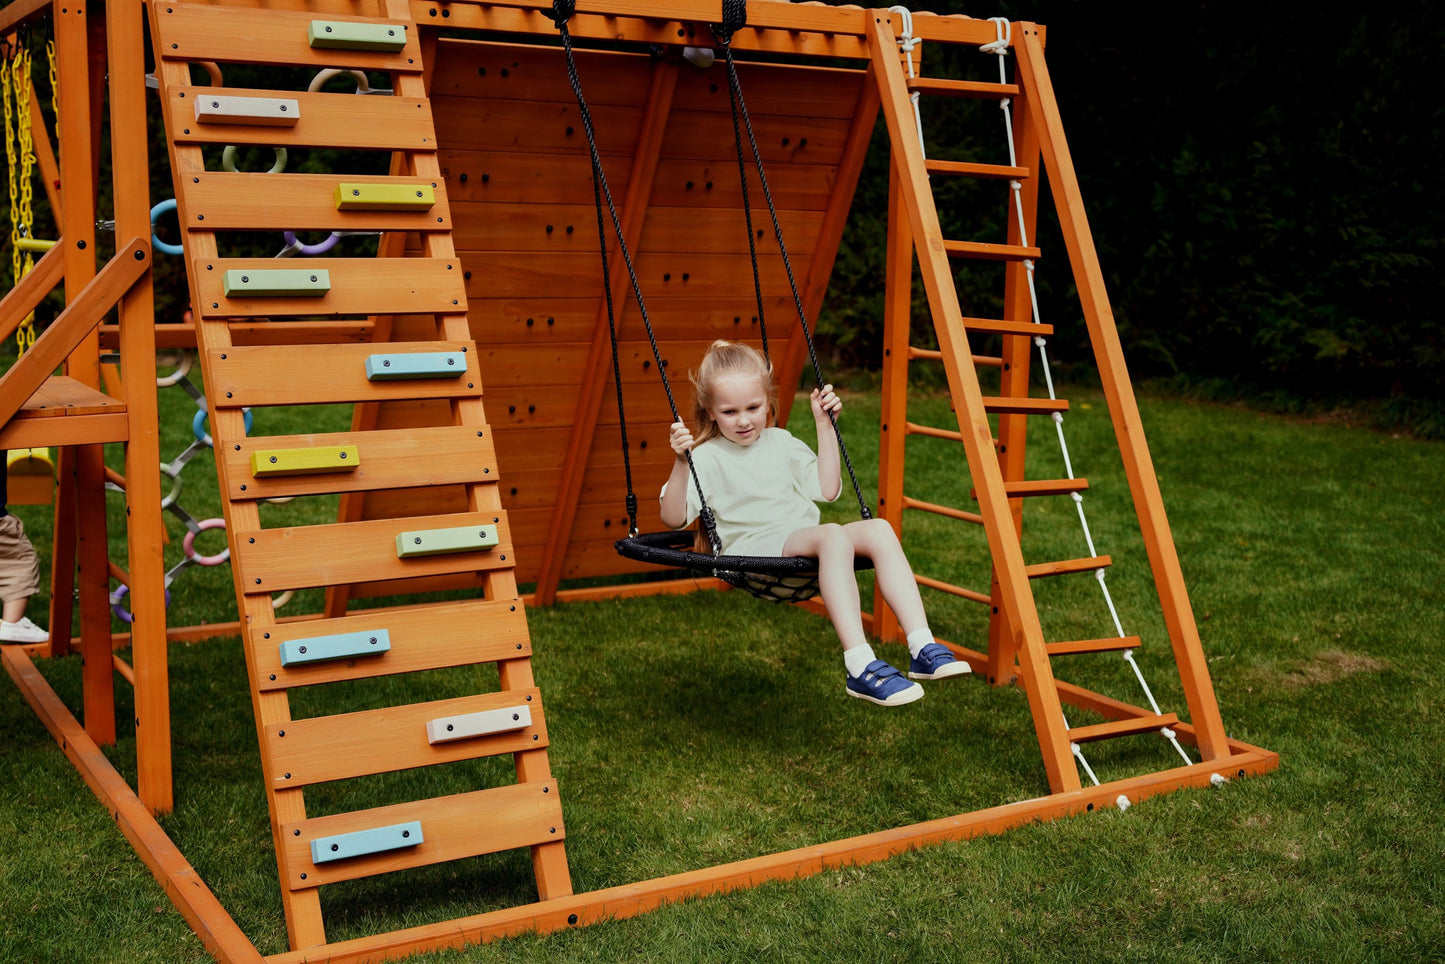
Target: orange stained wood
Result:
[[367, 742], [1067, 566], [22, 299], [422, 638], [975, 431], [1123, 407], [304, 202], [897, 322], [1025, 406], [72, 326], [329, 555], [322, 374], [228, 34], [1076, 646], [359, 286], [1129, 727], [984, 251], [1001, 326], [265, 332], [962, 88], [969, 169], [521, 815], [327, 120], [441, 455]]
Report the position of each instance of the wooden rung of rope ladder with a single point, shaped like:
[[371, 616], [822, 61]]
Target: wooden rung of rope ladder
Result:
[[970, 169], [962, 88], [1075, 647], [1116, 728]]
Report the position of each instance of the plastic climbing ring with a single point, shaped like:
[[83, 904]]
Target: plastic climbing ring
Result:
[[296, 247], [281, 600], [120, 611], [177, 484], [363, 86], [183, 368], [167, 206], [198, 425], [228, 160], [188, 544]]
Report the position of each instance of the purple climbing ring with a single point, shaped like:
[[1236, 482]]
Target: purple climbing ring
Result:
[[321, 247], [120, 611], [188, 544]]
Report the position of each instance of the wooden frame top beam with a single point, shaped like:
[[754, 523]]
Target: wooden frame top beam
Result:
[[774, 26]]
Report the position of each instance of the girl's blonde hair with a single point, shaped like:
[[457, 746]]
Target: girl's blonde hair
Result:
[[727, 359]]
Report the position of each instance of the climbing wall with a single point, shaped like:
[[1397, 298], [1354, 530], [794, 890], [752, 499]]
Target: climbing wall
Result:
[[515, 161], [275, 332]]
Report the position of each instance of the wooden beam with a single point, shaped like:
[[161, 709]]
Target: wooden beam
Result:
[[21, 11], [1119, 393], [596, 372], [22, 299]]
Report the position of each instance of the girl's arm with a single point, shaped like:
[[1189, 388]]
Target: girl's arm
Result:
[[823, 402], [674, 497]]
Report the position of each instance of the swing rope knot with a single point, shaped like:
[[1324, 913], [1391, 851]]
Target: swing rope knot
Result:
[[1003, 29], [734, 18], [562, 11]]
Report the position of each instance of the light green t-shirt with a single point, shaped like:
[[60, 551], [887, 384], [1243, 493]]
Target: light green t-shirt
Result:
[[760, 494]]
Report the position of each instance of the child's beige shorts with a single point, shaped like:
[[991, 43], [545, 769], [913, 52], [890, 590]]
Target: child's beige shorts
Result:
[[19, 566]]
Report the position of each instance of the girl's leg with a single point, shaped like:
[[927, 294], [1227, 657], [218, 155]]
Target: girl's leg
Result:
[[876, 539], [833, 547]]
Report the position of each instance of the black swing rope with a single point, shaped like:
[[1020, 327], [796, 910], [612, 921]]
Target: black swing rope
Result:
[[786, 578]]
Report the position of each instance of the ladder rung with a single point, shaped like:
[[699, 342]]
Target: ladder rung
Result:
[[997, 326], [1066, 566], [1076, 646], [1129, 727], [969, 169], [953, 590], [1024, 406], [952, 513], [1036, 487], [962, 88], [913, 428], [984, 251], [930, 354]]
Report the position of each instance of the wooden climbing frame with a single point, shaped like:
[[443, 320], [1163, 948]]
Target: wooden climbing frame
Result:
[[479, 330]]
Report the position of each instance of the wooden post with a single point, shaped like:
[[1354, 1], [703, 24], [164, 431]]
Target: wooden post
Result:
[[897, 324]]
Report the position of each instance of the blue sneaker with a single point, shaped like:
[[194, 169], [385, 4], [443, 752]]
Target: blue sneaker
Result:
[[884, 685], [934, 661]]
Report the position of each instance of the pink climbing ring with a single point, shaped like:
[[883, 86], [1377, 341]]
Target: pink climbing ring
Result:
[[188, 544]]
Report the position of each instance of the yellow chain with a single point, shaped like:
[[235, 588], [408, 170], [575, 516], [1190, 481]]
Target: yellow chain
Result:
[[54, 82], [19, 145]]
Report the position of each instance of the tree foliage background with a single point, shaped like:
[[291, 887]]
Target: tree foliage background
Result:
[[1261, 183]]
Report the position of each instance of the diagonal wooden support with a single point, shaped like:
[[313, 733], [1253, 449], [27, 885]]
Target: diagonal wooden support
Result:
[[976, 433], [596, 372], [70, 328], [1123, 407], [22, 299]]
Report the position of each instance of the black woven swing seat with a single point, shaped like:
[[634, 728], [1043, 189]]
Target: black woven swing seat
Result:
[[774, 578]]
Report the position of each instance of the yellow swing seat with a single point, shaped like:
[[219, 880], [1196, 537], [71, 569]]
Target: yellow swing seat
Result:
[[31, 476]]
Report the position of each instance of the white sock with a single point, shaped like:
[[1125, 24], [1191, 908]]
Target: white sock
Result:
[[856, 659], [918, 639]]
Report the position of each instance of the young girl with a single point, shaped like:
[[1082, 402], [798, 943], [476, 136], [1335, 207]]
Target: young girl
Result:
[[762, 485]]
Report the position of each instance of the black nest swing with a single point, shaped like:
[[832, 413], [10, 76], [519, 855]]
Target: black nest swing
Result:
[[775, 578]]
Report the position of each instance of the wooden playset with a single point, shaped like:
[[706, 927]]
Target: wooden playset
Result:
[[473, 346]]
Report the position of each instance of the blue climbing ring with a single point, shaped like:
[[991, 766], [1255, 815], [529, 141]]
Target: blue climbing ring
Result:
[[198, 425], [167, 206]]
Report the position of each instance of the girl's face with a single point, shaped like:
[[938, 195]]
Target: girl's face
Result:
[[740, 408]]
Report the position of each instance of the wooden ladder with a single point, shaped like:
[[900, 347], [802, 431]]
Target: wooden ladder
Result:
[[996, 460], [235, 294]]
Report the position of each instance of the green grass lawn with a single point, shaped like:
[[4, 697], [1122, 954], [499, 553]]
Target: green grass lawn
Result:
[[687, 731]]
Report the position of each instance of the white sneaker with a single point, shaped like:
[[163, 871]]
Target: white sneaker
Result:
[[22, 632]]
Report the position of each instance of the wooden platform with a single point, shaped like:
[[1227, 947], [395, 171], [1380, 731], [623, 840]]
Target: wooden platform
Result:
[[65, 412]]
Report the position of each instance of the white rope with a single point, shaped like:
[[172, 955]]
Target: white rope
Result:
[[906, 43], [1003, 33]]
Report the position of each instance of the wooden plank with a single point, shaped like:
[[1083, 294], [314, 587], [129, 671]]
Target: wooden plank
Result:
[[322, 374], [1025, 406], [984, 251], [1129, 727], [968, 169], [301, 557], [220, 201], [520, 815], [326, 748], [518, 275], [1000, 326], [682, 230], [359, 286], [1067, 566], [559, 320], [343, 121], [472, 124], [32, 289], [1075, 647], [422, 638], [235, 34], [388, 459], [938, 86]]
